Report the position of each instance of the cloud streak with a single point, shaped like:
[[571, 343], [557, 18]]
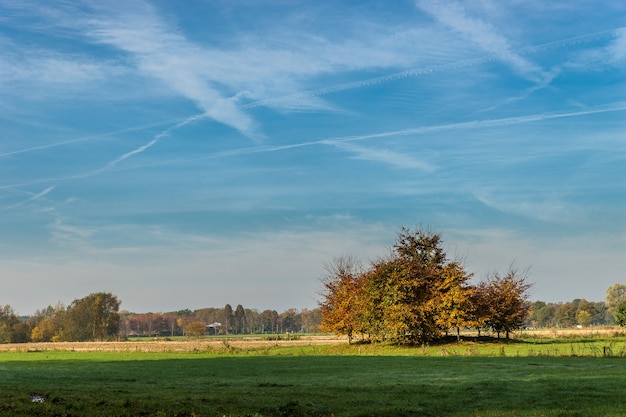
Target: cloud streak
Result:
[[483, 34], [33, 197]]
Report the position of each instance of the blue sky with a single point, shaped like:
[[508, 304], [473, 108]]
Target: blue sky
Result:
[[198, 153]]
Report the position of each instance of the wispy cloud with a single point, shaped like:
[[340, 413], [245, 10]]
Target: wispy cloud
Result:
[[483, 34], [70, 236], [617, 49], [152, 142], [385, 156], [161, 52], [334, 142], [33, 197]]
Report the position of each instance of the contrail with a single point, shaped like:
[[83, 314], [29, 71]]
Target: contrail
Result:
[[90, 138], [474, 124], [152, 142], [414, 72], [417, 72], [33, 197]]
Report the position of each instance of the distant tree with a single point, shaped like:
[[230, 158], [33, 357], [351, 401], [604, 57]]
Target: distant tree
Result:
[[507, 297], [290, 321], [94, 317], [587, 314], [565, 315], [615, 296], [583, 318], [269, 321], [311, 320], [12, 329], [239, 320], [541, 314], [46, 324], [227, 319], [196, 328], [620, 314]]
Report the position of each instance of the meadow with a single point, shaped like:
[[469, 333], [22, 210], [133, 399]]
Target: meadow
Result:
[[532, 376]]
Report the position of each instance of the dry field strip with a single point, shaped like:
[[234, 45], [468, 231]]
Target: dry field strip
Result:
[[163, 345], [252, 342]]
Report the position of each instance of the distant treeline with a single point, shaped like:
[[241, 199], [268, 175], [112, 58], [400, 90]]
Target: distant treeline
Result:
[[222, 321], [579, 312], [97, 317]]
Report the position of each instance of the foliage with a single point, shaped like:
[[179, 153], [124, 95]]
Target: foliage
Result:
[[12, 329], [196, 328], [505, 299], [340, 309], [251, 321], [411, 297], [94, 317], [615, 296], [620, 314]]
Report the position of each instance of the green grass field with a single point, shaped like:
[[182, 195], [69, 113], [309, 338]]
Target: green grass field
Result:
[[547, 378]]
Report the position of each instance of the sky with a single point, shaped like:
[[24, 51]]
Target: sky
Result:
[[198, 153]]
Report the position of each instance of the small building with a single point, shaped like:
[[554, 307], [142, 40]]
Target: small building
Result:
[[214, 328]]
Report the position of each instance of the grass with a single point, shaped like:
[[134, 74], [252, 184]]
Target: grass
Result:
[[551, 378]]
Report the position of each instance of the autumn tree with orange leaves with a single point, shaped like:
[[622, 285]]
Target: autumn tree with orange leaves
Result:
[[416, 295], [411, 297]]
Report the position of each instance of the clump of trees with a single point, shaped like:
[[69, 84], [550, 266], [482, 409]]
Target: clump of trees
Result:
[[416, 295], [94, 317]]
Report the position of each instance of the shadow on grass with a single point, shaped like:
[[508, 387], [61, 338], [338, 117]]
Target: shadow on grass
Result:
[[310, 386]]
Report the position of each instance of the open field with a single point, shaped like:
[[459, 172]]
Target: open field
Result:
[[176, 345], [578, 376]]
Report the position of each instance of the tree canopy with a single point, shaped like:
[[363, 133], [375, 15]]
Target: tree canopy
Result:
[[416, 295]]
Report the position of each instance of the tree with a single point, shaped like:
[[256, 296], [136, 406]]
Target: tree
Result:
[[587, 314], [269, 321], [615, 296], [454, 300], [413, 296], [340, 308], [426, 291], [227, 319], [239, 320], [311, 320], [565, 315], [583, 318], [290, 320], [195, 328], [94, 317], [507, 297], [47, 325], [620, 314], [12, 329]]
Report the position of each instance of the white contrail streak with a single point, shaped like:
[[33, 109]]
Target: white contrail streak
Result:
[[152, 142], [90, 138], [475, 124], [33, 197]]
